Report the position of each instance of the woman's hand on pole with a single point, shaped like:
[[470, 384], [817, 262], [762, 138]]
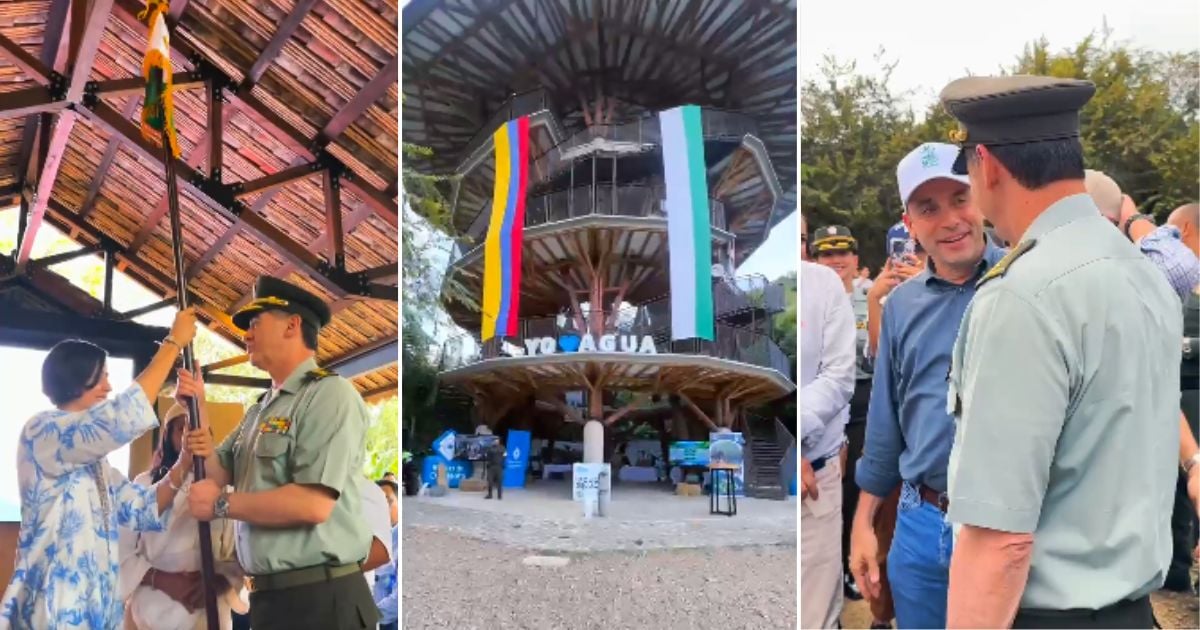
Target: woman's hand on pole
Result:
[[183, 329]]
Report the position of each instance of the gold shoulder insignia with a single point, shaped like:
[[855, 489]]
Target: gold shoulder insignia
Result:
[[318, 374], [1001, 267]]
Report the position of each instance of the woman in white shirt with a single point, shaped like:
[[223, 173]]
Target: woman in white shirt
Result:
[[160, 576]]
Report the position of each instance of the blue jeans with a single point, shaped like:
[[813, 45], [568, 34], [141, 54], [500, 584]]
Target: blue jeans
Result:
[[918, 563]]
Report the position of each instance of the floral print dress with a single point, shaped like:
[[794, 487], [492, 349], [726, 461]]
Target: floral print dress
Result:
[[72, 503]]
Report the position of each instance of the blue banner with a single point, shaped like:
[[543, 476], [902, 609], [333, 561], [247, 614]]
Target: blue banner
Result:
[[516, 459], [456, 470]]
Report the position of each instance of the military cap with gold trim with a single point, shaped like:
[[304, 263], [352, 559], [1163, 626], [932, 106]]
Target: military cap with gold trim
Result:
[[273, 294], [1020, 109], [834, 238]]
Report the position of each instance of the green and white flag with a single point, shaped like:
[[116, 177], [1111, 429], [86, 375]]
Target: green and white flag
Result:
[[689, 230]]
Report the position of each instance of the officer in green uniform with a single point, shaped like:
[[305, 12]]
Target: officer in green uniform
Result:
[[292, 462], [1064, 382], [835, 247]]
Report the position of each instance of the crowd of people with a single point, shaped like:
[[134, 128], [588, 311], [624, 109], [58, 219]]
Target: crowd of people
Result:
[[300, 537], [998, 435]]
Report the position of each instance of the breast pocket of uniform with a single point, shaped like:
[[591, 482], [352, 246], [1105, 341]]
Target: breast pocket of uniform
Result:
[[270, 457]]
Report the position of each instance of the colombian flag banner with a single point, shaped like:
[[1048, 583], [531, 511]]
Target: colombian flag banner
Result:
[[158, 109], [502, 248]]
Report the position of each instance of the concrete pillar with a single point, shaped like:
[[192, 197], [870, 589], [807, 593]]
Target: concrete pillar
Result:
[[593, 442]]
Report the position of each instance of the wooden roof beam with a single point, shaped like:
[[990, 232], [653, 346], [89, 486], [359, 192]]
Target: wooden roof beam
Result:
[[55, 150], [277, 180], [84, 50], [271, 122], [106, 160], [190, 180], [54, 144], [56, 19], [357, 106], [34, 100], [355, 218], [193, 158], [286, 29], [33, 68]]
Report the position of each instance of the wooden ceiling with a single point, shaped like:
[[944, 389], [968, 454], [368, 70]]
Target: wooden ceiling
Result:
[[287, 118], [595, 62]]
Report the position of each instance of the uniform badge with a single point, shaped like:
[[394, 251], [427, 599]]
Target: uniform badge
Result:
[[958, 135], [275, 425]]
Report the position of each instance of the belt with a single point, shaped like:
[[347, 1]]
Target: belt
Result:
[[934, 498], [1097, 614], [301, 577], [818, 464]]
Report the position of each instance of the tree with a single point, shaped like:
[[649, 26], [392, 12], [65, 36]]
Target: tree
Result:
[[1140, 128], [427, 229]]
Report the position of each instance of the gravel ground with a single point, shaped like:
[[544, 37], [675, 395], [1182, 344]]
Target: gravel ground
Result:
[[1173, 610], [454, 581], [757, 523]]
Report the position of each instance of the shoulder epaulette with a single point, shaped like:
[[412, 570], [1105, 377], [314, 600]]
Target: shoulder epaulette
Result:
[[263, 396], [318, 374], [1001, 267]]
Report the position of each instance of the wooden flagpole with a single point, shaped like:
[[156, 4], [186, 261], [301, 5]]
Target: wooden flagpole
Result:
[[189, 364]]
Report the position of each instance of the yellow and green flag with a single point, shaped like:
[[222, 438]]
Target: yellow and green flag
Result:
[[158, 110]]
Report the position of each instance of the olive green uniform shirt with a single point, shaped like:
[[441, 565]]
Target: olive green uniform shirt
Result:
[[311, 431], [1064, 383]]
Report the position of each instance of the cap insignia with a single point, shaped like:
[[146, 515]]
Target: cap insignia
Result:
[[958, 135]]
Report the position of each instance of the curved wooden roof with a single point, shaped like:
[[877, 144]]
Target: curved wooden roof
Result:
[[277, 104], [596, 61]]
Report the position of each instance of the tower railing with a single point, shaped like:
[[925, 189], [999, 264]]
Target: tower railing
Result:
[[629, 200], [641, 134]]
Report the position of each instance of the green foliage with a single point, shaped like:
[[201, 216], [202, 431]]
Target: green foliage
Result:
[[383, 443], [1140, 128], [427, 223]]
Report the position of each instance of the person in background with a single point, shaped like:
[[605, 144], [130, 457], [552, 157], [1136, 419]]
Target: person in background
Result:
[[1064, 382], [387, 577], [804, 255], [836, 248], [909, 432], [495, 469], [72, 500], [864, 281], [376, 509], [389, 476], [1163, 245], [160, 576], [827, 370]]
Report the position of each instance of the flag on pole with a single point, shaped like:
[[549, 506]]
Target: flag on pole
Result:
[[689, 231], [506, 228], [158, 109]]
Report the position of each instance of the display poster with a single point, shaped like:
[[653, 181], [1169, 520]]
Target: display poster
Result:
[[516, 458], [727, 449]]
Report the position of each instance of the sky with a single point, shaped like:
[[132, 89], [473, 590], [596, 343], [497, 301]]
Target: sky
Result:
[[946, 40]]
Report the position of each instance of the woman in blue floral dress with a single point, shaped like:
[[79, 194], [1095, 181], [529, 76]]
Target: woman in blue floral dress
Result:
[[72, 500]]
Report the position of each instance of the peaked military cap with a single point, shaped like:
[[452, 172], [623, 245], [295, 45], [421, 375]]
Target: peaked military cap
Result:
[[834, 238], [273, 294], [1019, 109]]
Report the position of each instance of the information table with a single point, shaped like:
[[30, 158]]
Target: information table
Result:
[[556, 469], [638, 473]]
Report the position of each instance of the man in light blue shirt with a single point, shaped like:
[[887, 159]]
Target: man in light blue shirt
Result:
[[909, 432]]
